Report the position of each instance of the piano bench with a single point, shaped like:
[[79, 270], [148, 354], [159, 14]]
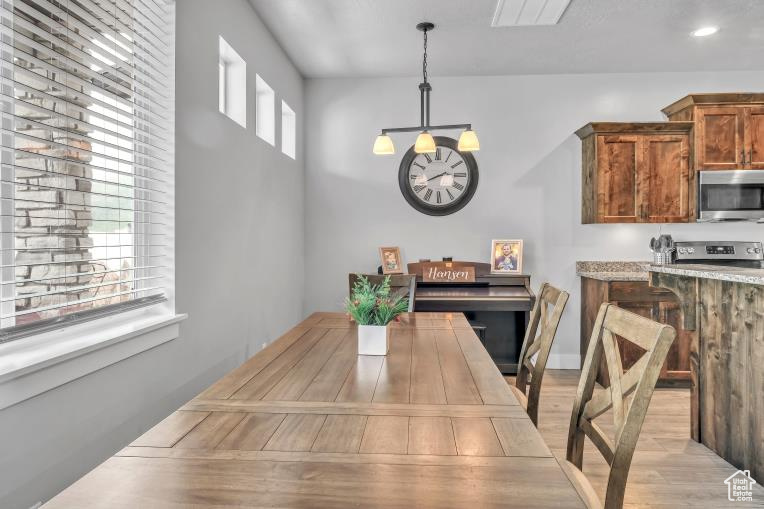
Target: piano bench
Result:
[[479, 329]]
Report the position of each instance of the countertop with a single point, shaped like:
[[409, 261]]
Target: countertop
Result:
[[734, 274], [613, 270]]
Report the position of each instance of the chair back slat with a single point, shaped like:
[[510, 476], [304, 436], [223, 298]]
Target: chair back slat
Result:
[[602, 401], [628, 395], [532, 350], [539, 336], [628, 325], [615, 372], [400, 284], [598, 437]]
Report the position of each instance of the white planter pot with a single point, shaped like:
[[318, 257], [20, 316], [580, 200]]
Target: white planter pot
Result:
[[373, 340]]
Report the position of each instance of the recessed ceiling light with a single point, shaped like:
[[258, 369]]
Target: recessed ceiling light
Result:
[[705, 31]]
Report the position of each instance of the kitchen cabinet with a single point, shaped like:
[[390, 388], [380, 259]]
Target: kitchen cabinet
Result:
[[754, 131], [729, 129], [638, 297], [637, 172]]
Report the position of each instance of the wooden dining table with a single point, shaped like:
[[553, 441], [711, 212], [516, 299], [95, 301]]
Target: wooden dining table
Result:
[[307, 422]]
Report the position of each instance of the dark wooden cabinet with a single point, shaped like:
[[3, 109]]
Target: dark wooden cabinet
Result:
[[636, 172], [640, 298], [617, 166], [645, 172], [666, 172], [729, 129], [754, 133], [719, 137]]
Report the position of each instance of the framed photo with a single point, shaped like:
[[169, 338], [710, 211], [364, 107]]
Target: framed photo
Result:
[[506, 256], [391, 260]]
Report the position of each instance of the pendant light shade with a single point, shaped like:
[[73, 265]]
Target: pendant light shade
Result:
[[425, 143], [383, 145], [468, 141]]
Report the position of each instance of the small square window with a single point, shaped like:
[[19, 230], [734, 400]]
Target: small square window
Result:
[[232, 81], [265, 104], [288, 130]]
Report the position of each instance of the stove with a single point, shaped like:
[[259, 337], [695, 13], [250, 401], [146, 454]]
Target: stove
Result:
[[729, 253]]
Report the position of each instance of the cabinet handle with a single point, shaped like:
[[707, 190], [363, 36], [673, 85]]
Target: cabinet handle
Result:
[[750, 156], [742, 155]]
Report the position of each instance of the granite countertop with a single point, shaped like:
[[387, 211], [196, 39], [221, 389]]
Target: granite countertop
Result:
[[734, 274], [613, 271]]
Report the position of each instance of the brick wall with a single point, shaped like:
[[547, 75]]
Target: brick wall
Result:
[[52, 212]]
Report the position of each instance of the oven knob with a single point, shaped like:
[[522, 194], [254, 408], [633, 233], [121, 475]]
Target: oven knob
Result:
[[682, 250], [690, 250], [749, 250], [758, 250]]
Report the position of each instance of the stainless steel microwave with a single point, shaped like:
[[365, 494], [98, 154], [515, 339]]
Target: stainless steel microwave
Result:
[[731, 195]]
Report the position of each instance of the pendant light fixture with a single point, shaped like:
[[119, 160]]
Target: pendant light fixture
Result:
[[468, 141]]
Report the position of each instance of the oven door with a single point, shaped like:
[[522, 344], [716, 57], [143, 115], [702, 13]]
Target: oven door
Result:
[[731, 195]]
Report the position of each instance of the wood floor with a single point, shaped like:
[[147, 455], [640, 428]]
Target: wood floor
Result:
[[669, 469]]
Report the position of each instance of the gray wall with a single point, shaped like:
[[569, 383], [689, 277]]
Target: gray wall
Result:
[[530, 176], [239, 239]]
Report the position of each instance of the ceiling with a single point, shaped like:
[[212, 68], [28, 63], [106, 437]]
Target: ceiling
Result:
[[372, 38]]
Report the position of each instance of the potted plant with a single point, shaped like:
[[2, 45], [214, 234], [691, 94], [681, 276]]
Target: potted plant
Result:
[[372, 308]]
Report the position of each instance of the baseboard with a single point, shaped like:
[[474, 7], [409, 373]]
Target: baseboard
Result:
[[564, 361]]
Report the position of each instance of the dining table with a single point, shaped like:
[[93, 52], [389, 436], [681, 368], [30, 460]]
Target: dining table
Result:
[[307, 422]]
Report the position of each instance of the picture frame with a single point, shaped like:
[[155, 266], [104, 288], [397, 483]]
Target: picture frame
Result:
[[390, 257], [506, 256]]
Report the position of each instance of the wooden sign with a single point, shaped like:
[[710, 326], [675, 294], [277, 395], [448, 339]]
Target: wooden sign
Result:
[[446, 272]]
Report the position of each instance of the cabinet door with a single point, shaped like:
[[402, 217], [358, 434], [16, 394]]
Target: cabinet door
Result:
[[665, 179], [677, 365], [618, 158], [754, 137], [719, 142]]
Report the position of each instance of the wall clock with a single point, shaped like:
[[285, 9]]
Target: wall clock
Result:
[[438, 183]]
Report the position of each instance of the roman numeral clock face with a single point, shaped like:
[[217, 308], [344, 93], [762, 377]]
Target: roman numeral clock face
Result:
[[438, 183]]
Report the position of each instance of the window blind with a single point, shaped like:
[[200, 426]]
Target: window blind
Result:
[[87, 158]]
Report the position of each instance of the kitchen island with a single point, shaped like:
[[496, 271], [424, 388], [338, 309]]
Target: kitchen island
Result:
[[724, 306]]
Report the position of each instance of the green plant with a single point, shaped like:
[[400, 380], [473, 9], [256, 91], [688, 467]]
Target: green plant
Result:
[[372, 304]]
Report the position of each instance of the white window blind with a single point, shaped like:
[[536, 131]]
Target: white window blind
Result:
[[87, 158]]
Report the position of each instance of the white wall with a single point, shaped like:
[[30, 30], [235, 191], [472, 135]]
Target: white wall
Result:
[[530, 176], [239, 274]]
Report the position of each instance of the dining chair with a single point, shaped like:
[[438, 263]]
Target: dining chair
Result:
[[628, 397], [539, 337], [400, 284]]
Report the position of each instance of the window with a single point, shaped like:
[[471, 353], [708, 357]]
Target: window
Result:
[[232, 78], [266, 111], [288, 130], [87, 159]]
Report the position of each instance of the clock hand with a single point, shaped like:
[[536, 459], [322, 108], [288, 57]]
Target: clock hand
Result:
[[436, 176]]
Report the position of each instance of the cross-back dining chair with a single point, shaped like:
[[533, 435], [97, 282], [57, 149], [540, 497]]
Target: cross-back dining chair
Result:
[[400, 284], [539, 337], [628, 397]]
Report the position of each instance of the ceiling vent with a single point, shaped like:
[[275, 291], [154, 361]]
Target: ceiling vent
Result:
[[515, 13]]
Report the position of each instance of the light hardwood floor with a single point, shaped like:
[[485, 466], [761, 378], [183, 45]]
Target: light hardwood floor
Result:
[[669, 469]]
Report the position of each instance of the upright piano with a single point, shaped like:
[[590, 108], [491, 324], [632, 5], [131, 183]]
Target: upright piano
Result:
[[497, 305]]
